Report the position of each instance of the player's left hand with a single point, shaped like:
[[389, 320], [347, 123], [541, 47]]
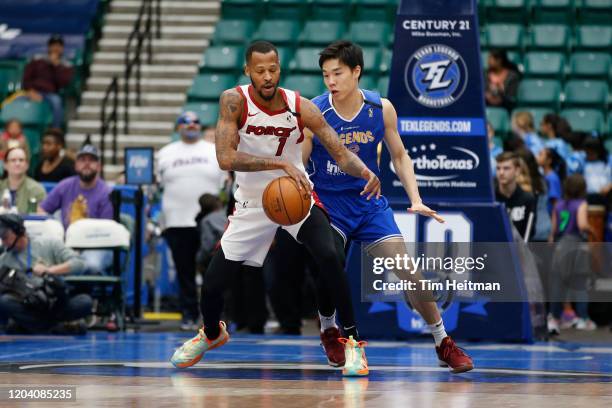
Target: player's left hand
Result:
[[426, 211], [372, 188]]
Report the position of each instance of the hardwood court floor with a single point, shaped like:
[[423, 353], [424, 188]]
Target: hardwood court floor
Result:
[[132, 370]]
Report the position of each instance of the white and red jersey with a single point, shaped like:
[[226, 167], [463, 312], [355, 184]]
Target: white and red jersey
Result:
[[270, 134]]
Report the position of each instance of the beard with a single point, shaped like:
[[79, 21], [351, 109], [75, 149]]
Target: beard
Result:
[[264, 97], [87, 177]]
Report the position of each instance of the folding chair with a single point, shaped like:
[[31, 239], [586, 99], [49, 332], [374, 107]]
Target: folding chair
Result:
[[102, 234], [47, 228]]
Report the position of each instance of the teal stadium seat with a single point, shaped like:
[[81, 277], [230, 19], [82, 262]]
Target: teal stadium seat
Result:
[[339, 10], [594, 37], [242, 9], [208, 112], [544, 65], [550, 37], [513, 56], [368, 82], [554, 11], [306, 60], [383, 86], [278, 32], [233, 32], [508, 11], [369, 33], [610, 128], [243, 80], [585, 120], [374, 10], [321, 33], [586, 93], [309, 86], [539, 92], [595, 12], [223, 58], [504, 36], [372, 60], [385, 61], [32, 115], [288, 9], [499, 119], [590, 65], [285, 55], [536, 112], [209, 86]]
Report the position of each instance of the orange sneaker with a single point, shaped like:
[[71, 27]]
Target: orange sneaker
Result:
[[453, 357], [356, 363], [193, 350]]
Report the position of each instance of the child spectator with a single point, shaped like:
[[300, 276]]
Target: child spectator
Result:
[[522, 126], [13, 137]]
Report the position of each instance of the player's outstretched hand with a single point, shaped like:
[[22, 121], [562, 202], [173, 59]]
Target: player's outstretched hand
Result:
[[372, 188], [299, 177], [426, 211]]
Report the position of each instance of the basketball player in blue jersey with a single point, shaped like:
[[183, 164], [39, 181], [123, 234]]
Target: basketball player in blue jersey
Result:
[[362, 120]]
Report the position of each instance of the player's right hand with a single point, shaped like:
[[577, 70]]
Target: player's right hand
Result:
[[299, 177], [372, 188]]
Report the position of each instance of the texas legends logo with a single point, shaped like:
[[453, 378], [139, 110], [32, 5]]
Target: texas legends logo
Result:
[[436, 76]]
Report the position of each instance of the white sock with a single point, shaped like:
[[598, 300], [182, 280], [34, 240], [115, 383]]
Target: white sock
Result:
[[438, 332], [327, 322]]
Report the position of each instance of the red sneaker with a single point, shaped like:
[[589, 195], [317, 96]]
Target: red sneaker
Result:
[[453, 357], [334, 350]]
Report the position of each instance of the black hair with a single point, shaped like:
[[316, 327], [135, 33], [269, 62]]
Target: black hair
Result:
[[557, 163], [502, 56], [538, 184], [55, 39], [56, 134], [13, 222], [263, 47], [596, 145], [350, 54], [208, 204], [574, 187]]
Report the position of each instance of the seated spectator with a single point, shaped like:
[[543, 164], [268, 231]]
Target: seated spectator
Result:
[[596, 170], [555, 130], [522, 126], [40, 257], [13, 137], [45, 76], [55, 165], [25, 192], [520, 204], [211, 222], [531, 181], [85, 195], [494, 149], [501, 80]]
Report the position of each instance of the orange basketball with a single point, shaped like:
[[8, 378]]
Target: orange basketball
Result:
[[284, 203]]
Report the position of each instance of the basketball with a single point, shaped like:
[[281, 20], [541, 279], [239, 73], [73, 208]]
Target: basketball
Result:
[[284, 203]]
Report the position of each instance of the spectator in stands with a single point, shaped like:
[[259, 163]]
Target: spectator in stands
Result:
[[536, 185], [55, 165], [85, 195], [494, 149], [187, 169], [553, 167], [502, 80], [45, 77], [211, 222], [521, 205], [13, 137], [555, 130], [522, 126], [571, 260], [24, 192], [597, 173], [41, 256]]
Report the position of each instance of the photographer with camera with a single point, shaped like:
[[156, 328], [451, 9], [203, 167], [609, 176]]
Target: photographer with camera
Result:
[[32, 292]]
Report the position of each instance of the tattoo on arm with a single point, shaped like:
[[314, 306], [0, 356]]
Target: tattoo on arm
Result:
[[227, 139]]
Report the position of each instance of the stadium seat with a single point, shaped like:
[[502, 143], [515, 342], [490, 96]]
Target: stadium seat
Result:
[[210, 86], [513, 56], [309, 86], [594, 38], [368, 33], [595, 12], [507, 11], [243, 80], [610, 128], [306, 60], [321, 33], [339, 10], [233, 32], [35, 115], [554, 11], [537, 113], [242, 9], [285, 55], [385, 61], [372, 60], [504, 36], [278, 32], [586, 93], [544, 65], [368, 82], [206, 111], [222, 58], [585, 120], [383, 86], [287, 9], [590, 65], [499, 119], [374, 10], [539, 92], [549, 37]]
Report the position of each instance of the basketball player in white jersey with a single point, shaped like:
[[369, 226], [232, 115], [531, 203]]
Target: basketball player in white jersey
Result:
[[259, 135]]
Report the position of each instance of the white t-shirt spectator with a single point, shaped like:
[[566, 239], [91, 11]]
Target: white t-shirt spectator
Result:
[[186, 171]]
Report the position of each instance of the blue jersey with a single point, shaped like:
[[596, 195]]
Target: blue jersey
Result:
[[361, 135]]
